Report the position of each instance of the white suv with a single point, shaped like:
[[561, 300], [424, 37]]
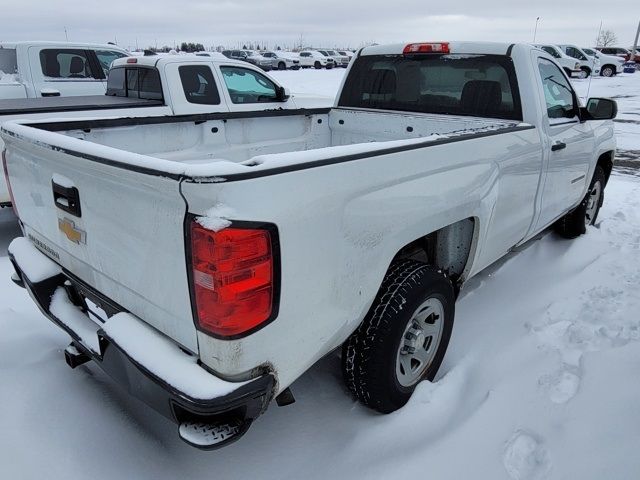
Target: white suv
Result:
[[609, 64], [313, 58], [569, 64], [589, 65]]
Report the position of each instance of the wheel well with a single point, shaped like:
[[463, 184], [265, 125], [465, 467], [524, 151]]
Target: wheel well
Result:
[[586, 69], [448, 248], [612, 67], [606, 162]]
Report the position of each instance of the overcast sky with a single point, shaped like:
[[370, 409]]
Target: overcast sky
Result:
[[320, 22]]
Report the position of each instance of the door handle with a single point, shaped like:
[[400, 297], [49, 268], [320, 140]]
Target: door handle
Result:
[[558, 146]]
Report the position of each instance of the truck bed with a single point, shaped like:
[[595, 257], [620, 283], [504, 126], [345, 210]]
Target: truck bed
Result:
[[20, 106], [235, 143]]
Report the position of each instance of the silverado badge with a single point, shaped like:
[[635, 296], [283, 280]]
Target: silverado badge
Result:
[[68, 227]]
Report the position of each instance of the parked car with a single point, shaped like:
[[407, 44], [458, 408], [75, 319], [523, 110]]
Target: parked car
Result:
[[315, 59], [609, 64], [283, 60], [47, 69], [230, 252], [340, 60], [346, 53], [616, 51], [589, 65], [569, 64], [163, 86], [249, 56]]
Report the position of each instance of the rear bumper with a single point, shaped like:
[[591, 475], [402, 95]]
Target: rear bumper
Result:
[[236, 407]]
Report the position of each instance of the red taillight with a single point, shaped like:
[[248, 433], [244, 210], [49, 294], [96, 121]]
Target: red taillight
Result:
[[435, 47], [233, 278], [6, 177], [132, 60]]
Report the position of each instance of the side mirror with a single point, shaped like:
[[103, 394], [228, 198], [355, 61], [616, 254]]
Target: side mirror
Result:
[[283, 94], [600, 109], [49, 92]]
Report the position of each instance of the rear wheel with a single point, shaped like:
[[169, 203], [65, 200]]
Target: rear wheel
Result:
[[403, 338], [574, 223]]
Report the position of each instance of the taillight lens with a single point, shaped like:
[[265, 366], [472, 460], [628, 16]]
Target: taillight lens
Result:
[[6, 177], [233, 278], [433, 47]]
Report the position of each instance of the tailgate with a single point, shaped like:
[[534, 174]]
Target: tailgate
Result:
[[123, 235]]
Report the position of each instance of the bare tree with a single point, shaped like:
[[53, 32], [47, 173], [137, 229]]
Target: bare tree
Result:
[[607, 38]]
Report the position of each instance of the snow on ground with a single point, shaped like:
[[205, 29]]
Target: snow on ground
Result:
[[540, 380]]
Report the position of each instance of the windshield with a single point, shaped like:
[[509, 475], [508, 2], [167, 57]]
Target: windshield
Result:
[[588, 51], [331, 52], [477, 85]]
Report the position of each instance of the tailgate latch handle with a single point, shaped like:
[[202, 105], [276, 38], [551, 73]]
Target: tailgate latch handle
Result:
[[67, 199]]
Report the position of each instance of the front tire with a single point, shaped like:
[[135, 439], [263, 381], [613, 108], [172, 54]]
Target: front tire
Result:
[[317, 65], [282, 66], [585, 72], [403, 338], [608, 71], [574, 223]]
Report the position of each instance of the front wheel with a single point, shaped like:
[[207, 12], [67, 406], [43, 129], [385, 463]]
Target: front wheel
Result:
[[607, 71], [584, 72], [403, 338], [282, 66], [575, 223], [317, 65]]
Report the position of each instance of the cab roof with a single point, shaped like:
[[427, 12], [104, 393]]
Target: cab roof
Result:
[[105, 46], [163, 59], [486, 48]]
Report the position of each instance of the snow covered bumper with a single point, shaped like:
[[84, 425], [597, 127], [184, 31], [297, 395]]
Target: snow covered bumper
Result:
[[211, 412]]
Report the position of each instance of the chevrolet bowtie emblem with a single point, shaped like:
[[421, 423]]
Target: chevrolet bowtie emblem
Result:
[[68, 227]]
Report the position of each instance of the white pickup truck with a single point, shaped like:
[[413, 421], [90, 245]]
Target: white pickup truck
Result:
[[171, 85], [49, 69], [205, 262]]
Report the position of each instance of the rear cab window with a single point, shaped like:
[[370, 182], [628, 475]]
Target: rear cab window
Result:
[[475, 85], [135, 82]]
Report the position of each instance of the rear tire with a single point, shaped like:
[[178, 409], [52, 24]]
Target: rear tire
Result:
[[574, 223], [403, 338]]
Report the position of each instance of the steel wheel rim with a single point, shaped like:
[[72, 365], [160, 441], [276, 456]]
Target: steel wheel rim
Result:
[[583, 74], [607, 72], [593, 200], [419, 342]]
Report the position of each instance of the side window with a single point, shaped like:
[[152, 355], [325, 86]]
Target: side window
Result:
[[65, 63], [247, 86], [106, 57], [115, 82], [8, 61], [558, 93], [198, 84], [551, 51]]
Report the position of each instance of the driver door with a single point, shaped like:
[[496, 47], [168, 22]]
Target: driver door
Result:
[[569, 145]]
